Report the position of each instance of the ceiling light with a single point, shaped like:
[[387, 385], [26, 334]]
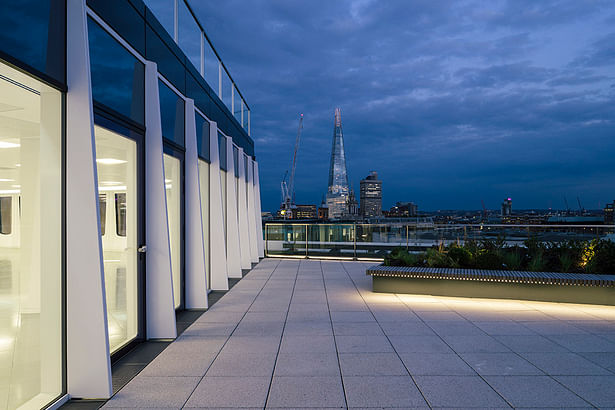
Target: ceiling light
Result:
[[109, 183], [111, 188], [6, 180], [15, 186], [110, 161], [4, 144]]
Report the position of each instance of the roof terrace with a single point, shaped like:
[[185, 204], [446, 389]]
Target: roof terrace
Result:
[[310, 333]]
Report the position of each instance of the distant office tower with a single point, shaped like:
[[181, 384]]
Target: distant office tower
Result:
[[608, 213], [507, 207], [371, 196], [337, 193]]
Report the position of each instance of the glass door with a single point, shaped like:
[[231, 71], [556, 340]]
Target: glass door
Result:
[[118, 190], [173, 180]]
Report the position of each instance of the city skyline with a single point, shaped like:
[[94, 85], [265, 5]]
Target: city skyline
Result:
[[451, 102]]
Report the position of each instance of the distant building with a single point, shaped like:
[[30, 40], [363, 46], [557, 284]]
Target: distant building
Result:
[[304, 212], [352, 206], [371, 196], [337, 193], [608, 213], [323, 212], [506, 207], [403, 210]]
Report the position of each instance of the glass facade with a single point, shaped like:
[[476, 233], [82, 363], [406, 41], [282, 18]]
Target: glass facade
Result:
[[32, 31], [172, 181], [30, 241], [117, 76], [222, 151], [202, 136], [171, 115], [338, 190], [116, 162], [204, 187]]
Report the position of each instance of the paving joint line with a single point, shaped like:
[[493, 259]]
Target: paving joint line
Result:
[[277, 354], [337, 353]]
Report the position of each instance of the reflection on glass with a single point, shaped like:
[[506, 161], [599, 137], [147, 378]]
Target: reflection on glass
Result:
[[116, 160], [204, 186], [173, 189], [30, 242]]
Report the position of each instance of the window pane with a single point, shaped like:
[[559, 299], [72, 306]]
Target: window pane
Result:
[[120, 214], [102, 205], [117, 76], [6, 215], [222, 150], [172, 115], [202, 136], [172, 181], [33, 32], [116, 160], [236, 161], [31, 254]]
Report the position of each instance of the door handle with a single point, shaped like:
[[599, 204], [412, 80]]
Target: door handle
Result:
[[142, 249]]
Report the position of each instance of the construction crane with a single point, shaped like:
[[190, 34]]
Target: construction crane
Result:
[[288, 188], [484, 210], [581, 210]]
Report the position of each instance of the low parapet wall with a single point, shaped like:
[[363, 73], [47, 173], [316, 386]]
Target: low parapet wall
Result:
[[493, 284]]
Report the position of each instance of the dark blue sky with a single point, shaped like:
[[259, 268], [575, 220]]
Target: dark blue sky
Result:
[[450, 101]]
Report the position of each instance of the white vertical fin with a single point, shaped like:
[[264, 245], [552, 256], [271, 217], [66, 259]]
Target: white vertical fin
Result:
[[87, 339], [160, 307], [196, 278]]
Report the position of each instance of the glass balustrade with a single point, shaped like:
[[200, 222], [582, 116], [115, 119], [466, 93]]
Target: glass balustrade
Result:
[[374, 241], [177, 19]]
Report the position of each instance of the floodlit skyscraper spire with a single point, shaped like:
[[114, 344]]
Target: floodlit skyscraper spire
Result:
[[338, 178]]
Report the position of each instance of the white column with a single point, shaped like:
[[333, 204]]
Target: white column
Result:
[[251, 213], [233, 257], [160, 307], [242, 210], [219, 276], [196, 278], [257, 211], [87, 339]]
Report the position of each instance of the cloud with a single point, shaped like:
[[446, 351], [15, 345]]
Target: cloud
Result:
[[450, 101]]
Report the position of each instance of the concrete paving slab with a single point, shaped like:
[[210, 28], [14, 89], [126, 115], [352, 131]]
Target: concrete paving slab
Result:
[[243, 364], [363, 344], [320, 391], [500, 364], [231, 392], [154, 392], [530, 343], [300, 344], [598, 390], [371, 364], [308, 328], [534, 391], [458, 391], [307, 364], [419, 344], [382, 391], [357, 329], [562, 364], [436, 364]]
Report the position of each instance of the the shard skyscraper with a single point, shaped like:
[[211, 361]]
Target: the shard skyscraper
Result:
[[337, 194]]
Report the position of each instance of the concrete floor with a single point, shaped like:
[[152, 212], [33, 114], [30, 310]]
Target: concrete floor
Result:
[[295, 334]]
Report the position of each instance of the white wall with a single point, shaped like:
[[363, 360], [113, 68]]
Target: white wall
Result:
[[244, 224]]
